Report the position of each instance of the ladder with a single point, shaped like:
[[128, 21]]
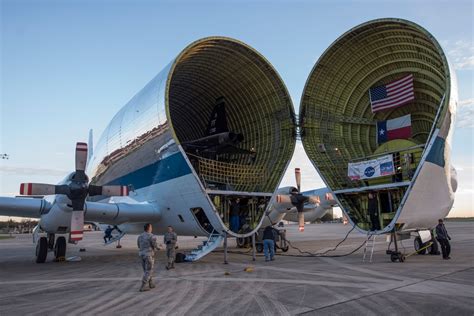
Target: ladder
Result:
[[214, 240], [369, 245], [115, 238]]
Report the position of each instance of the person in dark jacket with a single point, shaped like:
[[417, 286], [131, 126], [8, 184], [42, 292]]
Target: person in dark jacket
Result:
[[108, 234], [373, 208], [269, 236], [234, 214], [442, 236]]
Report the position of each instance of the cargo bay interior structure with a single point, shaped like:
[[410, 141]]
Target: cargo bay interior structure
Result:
[[337, 124], [217, 71]]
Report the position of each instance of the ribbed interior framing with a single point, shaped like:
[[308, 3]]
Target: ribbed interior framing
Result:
[[257, 102], [335, 107]]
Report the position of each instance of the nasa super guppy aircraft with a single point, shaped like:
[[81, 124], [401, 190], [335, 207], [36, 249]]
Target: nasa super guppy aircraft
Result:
[[217, 125]]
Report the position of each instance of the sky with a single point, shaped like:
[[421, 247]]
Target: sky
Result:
[[69, 66]]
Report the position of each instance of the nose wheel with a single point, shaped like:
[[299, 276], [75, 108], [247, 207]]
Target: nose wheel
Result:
[[41, 250], [60, 249], [45, 244]]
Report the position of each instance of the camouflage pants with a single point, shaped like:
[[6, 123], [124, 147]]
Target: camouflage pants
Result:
[[170, 254], [147, 264]]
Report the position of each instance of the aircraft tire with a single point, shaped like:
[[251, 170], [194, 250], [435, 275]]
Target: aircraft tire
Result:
[[433, 249], [41, 250], [418, 245], [60, 248], [241, 242]]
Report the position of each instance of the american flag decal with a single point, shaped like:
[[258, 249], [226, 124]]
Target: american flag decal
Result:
[[392, 95]]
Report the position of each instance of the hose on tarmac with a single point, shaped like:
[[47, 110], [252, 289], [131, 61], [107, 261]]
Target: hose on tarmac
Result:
[[304, 253]]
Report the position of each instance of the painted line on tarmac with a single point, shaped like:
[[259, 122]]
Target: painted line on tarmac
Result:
[[286, 281], [193, 278], [321, 274], [437, 287]]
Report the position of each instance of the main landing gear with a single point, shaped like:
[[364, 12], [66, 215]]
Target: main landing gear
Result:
[[429, 247], [50, 243]]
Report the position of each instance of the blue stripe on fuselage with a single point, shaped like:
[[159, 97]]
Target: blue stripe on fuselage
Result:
[[436, 154], [171, 167]]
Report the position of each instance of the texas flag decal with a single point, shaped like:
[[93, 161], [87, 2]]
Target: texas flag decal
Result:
[[398, 128]]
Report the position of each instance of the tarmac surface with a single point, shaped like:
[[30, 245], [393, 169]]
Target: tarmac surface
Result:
[[106, 280]]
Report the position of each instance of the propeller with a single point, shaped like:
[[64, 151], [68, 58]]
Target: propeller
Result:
[[296, 199], [76, 190]]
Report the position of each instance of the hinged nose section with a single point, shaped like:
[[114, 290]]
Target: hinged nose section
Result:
[[233, 118], [369, 111]]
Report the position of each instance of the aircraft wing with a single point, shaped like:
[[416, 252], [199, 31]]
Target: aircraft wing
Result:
[[103, 212], [23, 207], [118, 213]]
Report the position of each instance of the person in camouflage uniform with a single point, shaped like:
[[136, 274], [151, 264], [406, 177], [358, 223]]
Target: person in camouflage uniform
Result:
[[147, 244], [170, 239]]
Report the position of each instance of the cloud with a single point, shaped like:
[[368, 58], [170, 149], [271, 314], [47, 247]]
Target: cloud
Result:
[[467, 102], [32, 171], [465, 191], [465, 115], [461, 54]]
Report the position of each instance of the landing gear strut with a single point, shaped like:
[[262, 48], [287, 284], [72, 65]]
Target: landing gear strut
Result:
[[41, 250], [395, 255], [51, 241]]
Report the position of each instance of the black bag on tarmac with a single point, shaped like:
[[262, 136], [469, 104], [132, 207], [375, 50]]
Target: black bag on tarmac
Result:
[[180, 257]]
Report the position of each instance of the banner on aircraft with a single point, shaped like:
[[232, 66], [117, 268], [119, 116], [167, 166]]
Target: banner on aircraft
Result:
[[369, 169]]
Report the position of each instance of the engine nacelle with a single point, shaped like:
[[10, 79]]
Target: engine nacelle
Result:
[[58, 218], [287, 190]]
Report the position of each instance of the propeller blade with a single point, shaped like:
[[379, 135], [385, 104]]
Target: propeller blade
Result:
[[115, 190], [283, 199], [81, 156], [37, 189], [78, 204], [329, 197], [301, 221], [298, 178], [108, 190], [314, 199], [62, 189], [77, 226]]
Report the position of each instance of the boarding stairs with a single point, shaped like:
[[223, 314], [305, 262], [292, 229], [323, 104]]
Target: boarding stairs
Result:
[[213, 241], [115, 238], [369, 246]]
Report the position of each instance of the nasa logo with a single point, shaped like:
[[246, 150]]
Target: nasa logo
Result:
[[369, 172]]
